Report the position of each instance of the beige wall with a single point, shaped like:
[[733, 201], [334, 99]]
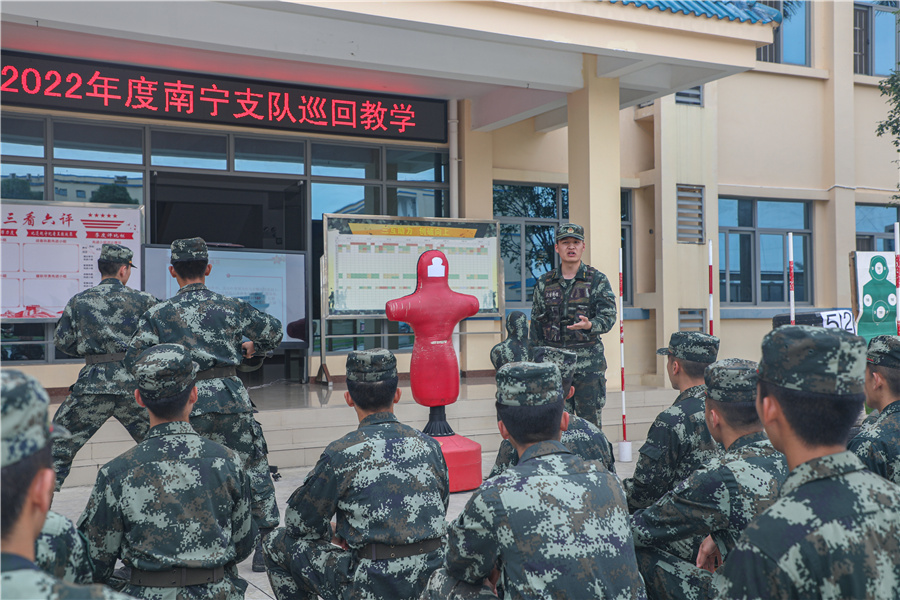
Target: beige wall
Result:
[[876, 170]]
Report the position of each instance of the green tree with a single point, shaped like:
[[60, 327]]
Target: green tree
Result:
[[111, 193], [16, 188]]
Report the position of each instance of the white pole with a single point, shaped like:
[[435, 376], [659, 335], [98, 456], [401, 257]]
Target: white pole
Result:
[[624, 445], [897, 273], [710, 288], [791, 273]]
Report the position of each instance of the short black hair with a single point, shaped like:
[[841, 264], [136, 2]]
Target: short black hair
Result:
[[190, 269], [531, 424], [739, 415], [15, 480], [170, 406], [692, 368], [373, 395], [817, 419], [891, 377], [108, 268]]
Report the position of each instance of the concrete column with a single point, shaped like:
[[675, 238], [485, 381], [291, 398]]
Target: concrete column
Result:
[[594, 198]]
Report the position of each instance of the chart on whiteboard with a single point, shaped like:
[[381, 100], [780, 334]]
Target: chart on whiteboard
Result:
[[50, 251], [373, 269]]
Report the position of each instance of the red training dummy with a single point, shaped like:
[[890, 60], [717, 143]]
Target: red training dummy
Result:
[[433, 310]]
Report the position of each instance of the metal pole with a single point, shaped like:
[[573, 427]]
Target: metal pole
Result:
[[710, 288], [791, 275], [624, 445]]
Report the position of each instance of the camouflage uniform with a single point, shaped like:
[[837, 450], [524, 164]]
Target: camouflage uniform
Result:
[[175, 501], [678, 442], [554, 525], [835, 530], [516, 346], [719, 499], [61, 550], [387, 485], [556, 303], [97, 324], [25, 431], [212, 326], [878, 444]]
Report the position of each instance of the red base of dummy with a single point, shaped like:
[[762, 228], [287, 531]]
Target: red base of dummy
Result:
[[463, 457]]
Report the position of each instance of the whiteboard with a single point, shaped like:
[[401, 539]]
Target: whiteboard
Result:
[[50, 251], [372, 259]]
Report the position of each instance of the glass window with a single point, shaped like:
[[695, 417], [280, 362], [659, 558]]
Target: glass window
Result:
[[526, 201], [417, 202], [884, 44], [269, 156], [753, 250], [21, 137], [110, 187], [626, 248], [791, 40], [416, 165], [188, 150], [24, 342], [540, 249], [875, 227], [22, 182], [90, 141], [875, 38], [511, 252], [344, 199], [345, 161]]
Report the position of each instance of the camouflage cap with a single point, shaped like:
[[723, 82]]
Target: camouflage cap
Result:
[[731, 380], [23, 417], [528, 384], [884, 351], [164, 371], [814, 359], [189, 249], [692, 345], [371, 365], [563, 359], [570, 230], [115, 253]]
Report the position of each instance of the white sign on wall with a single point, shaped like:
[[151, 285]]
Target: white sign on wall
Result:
[[49, 252]]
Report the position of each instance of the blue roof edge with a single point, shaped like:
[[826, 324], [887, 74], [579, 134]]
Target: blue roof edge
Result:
[[732, 10]]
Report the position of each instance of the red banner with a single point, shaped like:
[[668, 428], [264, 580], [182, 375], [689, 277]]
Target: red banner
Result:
[[109, 235]]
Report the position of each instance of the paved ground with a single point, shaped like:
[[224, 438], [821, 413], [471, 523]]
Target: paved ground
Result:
[[71, 502]]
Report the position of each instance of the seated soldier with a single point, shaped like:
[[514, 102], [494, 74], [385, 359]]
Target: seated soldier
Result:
[[553, 526], [834, 531], [678, 442], [718, 500], [26, 486], [61, 550], [516, 346], [388, 487], [582, 438], [176, 507], [878, 444]]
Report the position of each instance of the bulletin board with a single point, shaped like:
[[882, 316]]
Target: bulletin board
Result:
[[369, 260]]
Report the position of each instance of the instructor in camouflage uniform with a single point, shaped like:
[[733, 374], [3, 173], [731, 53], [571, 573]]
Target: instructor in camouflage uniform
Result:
[[720, 499], [175, 508], [213, 327], [388, 488], [835, 530], [878, 445], [97, 325], [553, 526], [678, 442], [572, 305]]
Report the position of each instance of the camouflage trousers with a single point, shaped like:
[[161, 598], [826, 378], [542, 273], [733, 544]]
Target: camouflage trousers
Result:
[[589, 383], [667, 576], [241, 433], [83, 415], [301, 569], [443, 586]]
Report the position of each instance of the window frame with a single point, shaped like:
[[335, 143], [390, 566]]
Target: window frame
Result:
[[756, 234], [866, 66], [774, 52], [874, 236]]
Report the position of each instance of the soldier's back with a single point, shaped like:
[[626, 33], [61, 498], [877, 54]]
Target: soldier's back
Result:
[[878, 445], [32, 584]]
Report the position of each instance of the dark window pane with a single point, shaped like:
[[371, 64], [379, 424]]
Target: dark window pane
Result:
[[23, 333], [22, 182], [781, 215], [82, 141], [268, 156], [346, 199], [109, 187], [539, 251], [875, 219], [525, 201], [884, 46], [417, 202], [345, 161], [723, 271], [771, 268], [801, 252], [884, 245], [187, 150], [626, 205], [564, 200], [734, 212], [511, 252], [793, 33], [416, 165], [740, 267], [21, 137]]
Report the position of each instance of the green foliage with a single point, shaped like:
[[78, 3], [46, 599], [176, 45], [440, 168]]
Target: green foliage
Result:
[[111, 193], [890, 87], [16, 188]]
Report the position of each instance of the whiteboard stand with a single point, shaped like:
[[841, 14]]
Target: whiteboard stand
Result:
[[323, 376]]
